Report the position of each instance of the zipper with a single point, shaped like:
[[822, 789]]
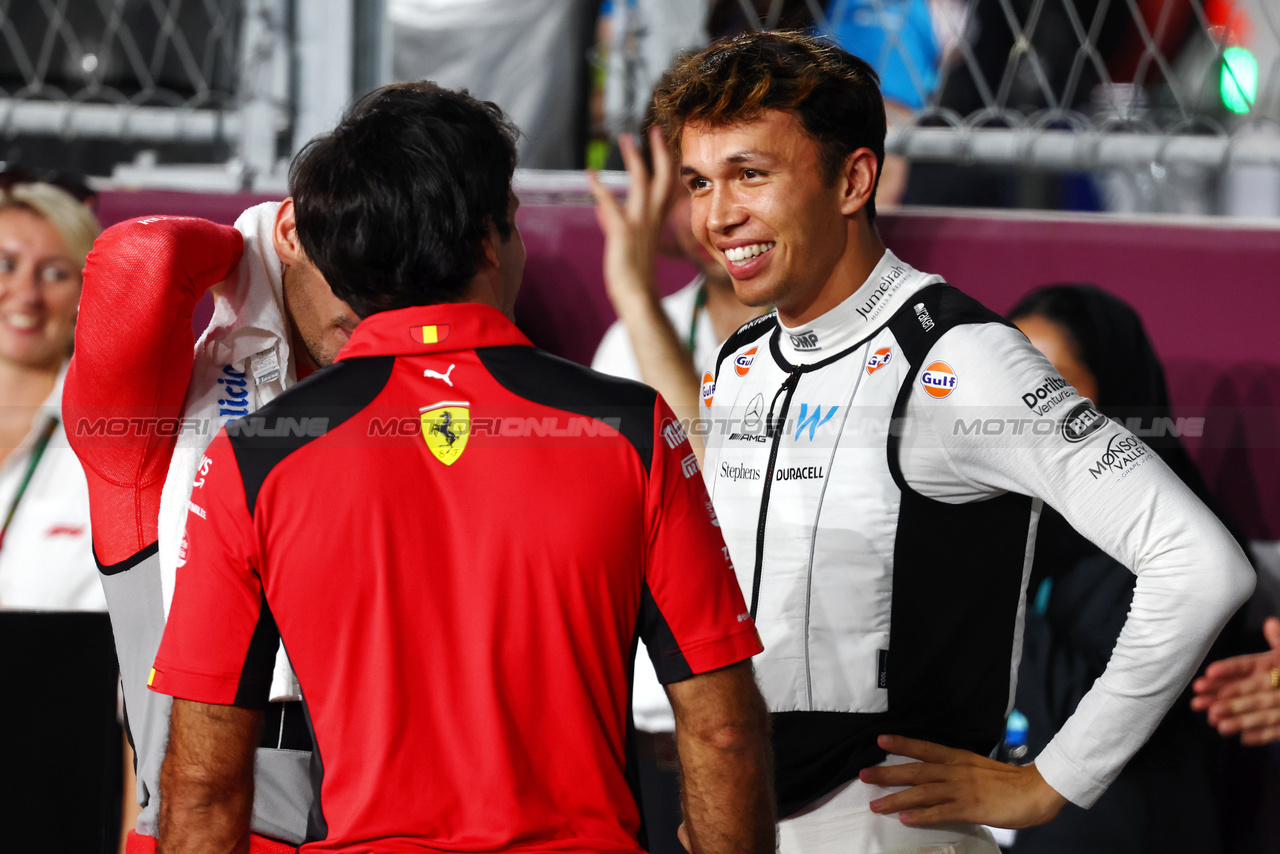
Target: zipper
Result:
[[789, 388]]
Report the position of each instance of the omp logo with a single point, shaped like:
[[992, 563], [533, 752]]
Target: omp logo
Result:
[[939, 380], [805, 341], [689, 465], [879, 359], [673, 434], [743, 361], [814, 421], [708, 389], [1082, 422]]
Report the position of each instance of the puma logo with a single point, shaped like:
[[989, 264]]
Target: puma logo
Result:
[[439, 376]]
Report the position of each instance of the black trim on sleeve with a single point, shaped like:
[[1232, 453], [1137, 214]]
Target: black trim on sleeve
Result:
[[317, 824], [930, 313], [304, 413], [129, 562], [750, 331], [668, 660], [259, 661], [551, 381]]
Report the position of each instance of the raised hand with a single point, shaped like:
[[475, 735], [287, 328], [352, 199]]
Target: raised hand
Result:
[[633, 230]]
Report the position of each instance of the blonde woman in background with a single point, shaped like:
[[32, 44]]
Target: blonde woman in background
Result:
[[46, 557], [46, 554]]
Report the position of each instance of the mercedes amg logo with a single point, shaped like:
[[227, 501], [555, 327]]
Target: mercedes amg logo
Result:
[[755, 412]]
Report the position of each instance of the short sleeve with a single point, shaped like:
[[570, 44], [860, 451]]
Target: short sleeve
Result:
[[220, 640], [693, 618]]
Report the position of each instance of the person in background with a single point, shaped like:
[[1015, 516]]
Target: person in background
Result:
[[1242, 694], [46, 558], [1164, 799], [46, 553], [897, 38], [661, 342]]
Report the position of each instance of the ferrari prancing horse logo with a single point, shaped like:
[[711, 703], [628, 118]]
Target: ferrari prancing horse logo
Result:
[[445, 427]]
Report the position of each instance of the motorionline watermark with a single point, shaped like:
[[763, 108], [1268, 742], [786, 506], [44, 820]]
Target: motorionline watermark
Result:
[[818, 427]]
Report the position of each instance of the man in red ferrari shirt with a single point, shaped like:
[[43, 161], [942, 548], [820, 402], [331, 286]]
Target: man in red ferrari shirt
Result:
[[498, 529]]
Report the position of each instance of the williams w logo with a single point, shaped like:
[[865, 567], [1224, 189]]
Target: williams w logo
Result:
[[814, 421]]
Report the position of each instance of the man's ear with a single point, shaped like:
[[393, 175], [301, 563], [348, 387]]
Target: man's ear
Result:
[[858, 180], [284, 235], [489, 257]]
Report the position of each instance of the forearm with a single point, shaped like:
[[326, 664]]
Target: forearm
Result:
[[727, 771], [1182, 598], [206, 782], [664, 362], [727, 801]]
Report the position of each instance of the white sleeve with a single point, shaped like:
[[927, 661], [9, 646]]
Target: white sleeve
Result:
[[614, 354], [1011, 424]]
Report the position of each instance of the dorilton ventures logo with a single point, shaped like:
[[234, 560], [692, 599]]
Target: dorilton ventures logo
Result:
[[738, 472], [1051, 391]]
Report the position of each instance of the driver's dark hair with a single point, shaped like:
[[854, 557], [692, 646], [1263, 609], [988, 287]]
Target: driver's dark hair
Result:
[[393, 204], [835, 94]]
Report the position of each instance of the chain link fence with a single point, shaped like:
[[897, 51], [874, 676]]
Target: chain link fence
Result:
[[1049, 84], [1065, 84]]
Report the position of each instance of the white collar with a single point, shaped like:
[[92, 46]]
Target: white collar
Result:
[[860, 314]]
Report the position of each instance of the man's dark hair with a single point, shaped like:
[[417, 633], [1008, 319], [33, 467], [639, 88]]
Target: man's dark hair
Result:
[[834, 93], [393, 204]]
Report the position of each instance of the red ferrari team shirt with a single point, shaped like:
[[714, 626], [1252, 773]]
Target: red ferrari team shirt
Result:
[[458, 538]]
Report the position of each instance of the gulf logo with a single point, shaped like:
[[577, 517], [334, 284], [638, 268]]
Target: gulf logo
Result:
[[708, 389], [938, 379], [742, 362], [879, 359]]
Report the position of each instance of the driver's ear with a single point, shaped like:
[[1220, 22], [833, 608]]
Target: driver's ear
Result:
[[284, 234]]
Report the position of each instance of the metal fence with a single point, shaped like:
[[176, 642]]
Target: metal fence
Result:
[[1071, 84]]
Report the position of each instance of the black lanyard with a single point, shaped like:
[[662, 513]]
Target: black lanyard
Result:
[[698, 303], [36, 453]]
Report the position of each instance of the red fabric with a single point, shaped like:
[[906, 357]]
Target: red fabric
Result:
[[136, 843], [461, 632], [133, 355]]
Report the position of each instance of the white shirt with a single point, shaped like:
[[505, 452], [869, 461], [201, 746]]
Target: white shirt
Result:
[[46, 561], [615, 355]]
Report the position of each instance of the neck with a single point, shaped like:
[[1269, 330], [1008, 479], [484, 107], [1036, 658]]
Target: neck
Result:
[[22, 385], [727, 313], [861, 255], [303, 364]]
